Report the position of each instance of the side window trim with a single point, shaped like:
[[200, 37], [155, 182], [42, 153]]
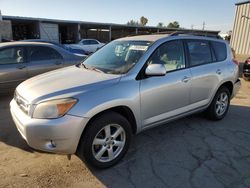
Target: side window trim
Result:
[[214, 59], [186, 52]]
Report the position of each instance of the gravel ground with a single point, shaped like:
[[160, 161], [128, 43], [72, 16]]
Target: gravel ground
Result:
[[190, 152]]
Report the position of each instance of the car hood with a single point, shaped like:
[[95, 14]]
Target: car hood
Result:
[[64, 82]]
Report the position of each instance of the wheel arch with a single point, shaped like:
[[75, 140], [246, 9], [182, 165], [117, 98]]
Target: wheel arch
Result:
[[228, 85], [122, 110]]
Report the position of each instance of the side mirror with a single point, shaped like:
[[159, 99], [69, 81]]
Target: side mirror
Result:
[[156, 70]]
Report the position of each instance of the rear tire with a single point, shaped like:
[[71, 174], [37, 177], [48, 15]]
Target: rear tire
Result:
[[246, 78], [106, 140], [220, 105]]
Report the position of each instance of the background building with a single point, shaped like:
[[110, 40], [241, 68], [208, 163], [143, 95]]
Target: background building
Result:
[[65, 31], [5, 29], [240, 39]]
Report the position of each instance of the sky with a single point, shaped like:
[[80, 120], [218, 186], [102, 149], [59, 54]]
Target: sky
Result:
[[217, 14]]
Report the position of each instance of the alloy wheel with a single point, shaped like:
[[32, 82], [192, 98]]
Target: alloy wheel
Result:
[[108, 143], [221, 104]]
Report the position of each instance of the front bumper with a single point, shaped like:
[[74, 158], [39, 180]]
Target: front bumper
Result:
[[236, 87], [51, 135]]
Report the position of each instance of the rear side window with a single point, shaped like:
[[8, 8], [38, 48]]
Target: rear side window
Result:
[[93, 42], [12, 55], [199, 52], [220, 50], [86, 42], [41, 53]]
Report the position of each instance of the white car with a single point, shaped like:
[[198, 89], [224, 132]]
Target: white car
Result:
[[89, 45]]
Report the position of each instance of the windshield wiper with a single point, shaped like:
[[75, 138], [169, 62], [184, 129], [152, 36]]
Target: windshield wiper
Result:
[[84, 66], [95, 69], [91, 68]]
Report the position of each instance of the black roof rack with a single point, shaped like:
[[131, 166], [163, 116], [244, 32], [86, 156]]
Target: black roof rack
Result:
[[195, 33]]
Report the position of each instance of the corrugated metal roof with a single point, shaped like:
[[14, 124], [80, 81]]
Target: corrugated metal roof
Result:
[[96, 24], [241, 3]]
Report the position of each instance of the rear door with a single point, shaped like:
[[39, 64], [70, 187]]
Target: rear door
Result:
[[43, 59], [206, 71], [13, 68]]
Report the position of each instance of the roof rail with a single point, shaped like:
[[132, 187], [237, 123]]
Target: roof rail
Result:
[[195, 33]]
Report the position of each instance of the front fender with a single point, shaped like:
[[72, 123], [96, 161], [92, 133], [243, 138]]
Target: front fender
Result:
[[122, 94]]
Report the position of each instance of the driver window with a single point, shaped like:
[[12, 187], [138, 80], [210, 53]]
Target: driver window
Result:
[[170, 54]]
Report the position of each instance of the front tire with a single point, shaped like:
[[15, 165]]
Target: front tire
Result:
[[106, 140], [220, 104]]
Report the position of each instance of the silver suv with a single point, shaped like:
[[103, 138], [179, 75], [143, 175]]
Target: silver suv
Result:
[[129, 85]]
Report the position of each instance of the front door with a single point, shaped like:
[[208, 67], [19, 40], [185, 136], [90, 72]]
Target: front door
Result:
[[43, 59], [166, 96]]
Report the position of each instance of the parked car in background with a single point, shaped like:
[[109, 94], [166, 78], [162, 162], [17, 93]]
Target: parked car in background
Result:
[[75, 50], [130, 85], [22, 60], [246, 69], [89, 45]]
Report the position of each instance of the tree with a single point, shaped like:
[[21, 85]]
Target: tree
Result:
[[133, 23], [174, 25], [160, 24], [143, 21]]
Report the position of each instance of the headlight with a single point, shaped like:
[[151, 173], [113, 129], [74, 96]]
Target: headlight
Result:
[[54, 108]]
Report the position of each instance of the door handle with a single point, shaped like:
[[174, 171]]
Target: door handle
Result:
[[185, 79], [21, 67], [218, 72]]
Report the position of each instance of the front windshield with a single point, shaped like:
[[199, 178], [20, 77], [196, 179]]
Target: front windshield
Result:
[[117, 57]]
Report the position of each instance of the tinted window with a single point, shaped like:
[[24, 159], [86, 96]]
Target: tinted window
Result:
[[93, 42], [86, 42], [220, 50], [170, 54], [199, 52], [43, 53], [12, 55], [117, 57]]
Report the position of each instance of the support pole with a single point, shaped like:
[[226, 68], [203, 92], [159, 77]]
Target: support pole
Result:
[[78, 32], [136, 31], [110, 33]]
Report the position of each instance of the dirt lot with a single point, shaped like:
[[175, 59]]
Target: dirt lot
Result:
[[191, 152]]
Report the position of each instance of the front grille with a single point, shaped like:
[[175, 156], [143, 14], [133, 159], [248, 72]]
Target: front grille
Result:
[[22, 103]]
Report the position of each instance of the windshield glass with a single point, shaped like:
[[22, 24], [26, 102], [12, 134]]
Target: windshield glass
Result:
[[117, 57]]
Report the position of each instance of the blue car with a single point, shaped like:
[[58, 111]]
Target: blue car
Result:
[[76, 51]]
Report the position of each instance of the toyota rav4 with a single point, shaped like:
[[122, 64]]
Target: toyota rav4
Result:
[[128, 86]]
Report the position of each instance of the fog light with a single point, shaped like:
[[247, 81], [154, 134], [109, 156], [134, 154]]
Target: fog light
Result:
[[51, 144]]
